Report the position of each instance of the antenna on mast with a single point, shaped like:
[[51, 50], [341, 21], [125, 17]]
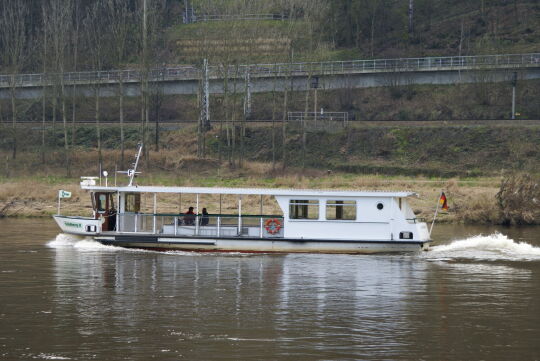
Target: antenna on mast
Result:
[[132, 173]]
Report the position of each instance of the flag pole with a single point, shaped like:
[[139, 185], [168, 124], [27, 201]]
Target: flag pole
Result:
[[436, 212], [58, 195]]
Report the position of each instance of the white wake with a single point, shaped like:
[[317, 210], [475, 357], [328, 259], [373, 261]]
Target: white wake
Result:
[[493, 247], [87, 244], [63, 240]]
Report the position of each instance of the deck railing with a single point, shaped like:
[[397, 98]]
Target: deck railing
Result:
[[258, 226], [190, 72]]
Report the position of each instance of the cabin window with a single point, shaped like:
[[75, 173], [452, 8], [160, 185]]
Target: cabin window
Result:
[[101, 202], [133, 202], [304, 209], [341, 210]]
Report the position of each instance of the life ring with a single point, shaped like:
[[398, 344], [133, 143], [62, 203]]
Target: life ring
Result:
[[272, 225]]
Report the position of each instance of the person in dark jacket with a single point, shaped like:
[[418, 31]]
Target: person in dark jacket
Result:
[[205, 218]]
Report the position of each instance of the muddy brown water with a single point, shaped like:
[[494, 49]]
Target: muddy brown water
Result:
[[475, 296]]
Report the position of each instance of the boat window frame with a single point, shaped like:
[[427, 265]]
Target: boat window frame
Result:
[[101, 205], [346, 204], [306, 205], [137, 202]]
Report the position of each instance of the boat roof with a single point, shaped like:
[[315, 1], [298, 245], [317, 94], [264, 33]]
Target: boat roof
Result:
[[251, 191]]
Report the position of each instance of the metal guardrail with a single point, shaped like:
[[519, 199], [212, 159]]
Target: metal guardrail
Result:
[[191, 72], [204, 18], [331, 116]]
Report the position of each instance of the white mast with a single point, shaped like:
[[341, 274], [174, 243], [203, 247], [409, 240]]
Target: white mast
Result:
[[131, 173]]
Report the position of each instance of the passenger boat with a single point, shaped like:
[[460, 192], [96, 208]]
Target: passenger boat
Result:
[[326, 221]]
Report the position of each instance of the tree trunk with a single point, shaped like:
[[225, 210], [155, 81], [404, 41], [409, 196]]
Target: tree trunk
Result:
[[304, 132], [64, 122], [156, 114], [283, 129], [411, 16], [243, 124], [43, 118], [225, 114], [54, 106], [233, 117], [14, 119], [372, 37], [73, 117], [121, 106], [98, 128], [274, 125]]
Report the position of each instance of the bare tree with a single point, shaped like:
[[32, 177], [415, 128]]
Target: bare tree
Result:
[[411, 16], [373, 7], [274, 106], [75, 35], [156, 101], [44, 88], [95, 33], [14, 41], [151, 14], [120, 21], [58, 20]]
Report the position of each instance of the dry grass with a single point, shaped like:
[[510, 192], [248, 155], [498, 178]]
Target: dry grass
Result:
[[471, 201], [33, 192]]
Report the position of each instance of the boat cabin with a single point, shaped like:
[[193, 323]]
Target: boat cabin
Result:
[[305, 214]]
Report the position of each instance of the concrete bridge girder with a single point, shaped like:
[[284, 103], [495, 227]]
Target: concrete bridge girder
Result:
[[299, 82]]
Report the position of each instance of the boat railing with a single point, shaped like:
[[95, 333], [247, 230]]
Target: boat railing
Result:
[[223, 225]]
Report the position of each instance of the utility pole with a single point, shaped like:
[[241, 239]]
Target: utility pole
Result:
[[205, 99], [247, 98], [204, 107], [315, 86], [514, 83]]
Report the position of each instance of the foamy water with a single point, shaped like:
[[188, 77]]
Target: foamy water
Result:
[[87, 244], [81, 243], [492, 247]]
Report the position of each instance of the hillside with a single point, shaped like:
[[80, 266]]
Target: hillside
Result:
[[361, 29], [472, 149]]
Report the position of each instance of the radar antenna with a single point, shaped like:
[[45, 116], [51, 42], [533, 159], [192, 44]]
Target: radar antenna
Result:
[[132, 173]]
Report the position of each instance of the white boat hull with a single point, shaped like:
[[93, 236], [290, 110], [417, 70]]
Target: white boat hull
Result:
[[200, 244]]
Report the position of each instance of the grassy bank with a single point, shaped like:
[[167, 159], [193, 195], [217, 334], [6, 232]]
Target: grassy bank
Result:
[[466, 160], [413, 149], [471, 200]]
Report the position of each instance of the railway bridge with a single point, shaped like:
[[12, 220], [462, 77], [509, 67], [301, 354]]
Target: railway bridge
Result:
[[279, 76]]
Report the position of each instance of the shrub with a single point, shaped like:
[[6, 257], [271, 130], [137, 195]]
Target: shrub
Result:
[[519, 199]]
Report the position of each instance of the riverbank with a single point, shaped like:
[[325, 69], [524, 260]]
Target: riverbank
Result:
[[471, 201], [467, 161]]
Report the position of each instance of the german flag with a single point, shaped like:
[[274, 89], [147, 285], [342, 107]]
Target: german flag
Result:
[[443, 202]]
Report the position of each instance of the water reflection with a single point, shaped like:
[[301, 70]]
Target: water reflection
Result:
[[340, 305], [465, 300]]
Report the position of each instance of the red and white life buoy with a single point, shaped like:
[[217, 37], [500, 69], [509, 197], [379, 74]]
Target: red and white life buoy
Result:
[[272, 225]]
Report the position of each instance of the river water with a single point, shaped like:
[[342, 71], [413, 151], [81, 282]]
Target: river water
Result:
[[476, 295]]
